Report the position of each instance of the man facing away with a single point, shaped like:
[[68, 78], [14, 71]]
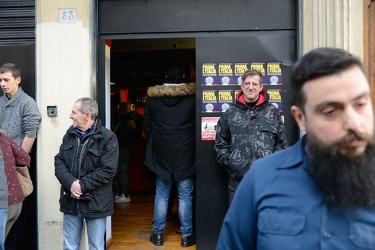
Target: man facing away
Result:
[[250, 129], [319, 193], [169, 123], [85, 167]]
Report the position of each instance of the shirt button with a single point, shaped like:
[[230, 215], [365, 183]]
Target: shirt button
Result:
[[276, 226], [327, 235]]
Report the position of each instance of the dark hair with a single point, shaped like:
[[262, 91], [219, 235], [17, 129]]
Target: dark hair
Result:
[[12, 68], [252, 72], [175, 74], [316, 63]]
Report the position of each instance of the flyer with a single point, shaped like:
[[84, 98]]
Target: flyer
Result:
[[209, 101], [225, 99], [209, 74], [239, 69], [261, 67], [209, 128], [274, 74], [225, 73], [275, 98]]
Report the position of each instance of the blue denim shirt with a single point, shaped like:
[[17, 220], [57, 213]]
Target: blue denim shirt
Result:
[[278, 206]]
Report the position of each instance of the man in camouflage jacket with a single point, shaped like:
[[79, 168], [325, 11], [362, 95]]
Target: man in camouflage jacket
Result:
[[250, 129]]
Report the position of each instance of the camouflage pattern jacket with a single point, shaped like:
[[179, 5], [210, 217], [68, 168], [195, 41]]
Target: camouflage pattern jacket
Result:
[[245, 134]]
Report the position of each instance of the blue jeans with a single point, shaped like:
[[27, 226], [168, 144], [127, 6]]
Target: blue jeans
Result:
[[72, 226], [185, 189], [3, 220]]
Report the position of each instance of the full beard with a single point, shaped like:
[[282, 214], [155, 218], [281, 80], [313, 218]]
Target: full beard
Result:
[[347, 181]]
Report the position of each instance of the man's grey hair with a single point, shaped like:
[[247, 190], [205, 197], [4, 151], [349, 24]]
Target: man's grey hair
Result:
[[88, 105]]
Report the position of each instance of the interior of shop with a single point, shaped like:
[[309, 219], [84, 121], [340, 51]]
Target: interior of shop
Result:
[[135, 65]]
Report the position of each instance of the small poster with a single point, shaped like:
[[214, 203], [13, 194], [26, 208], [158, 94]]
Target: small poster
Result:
[[261, 67], [274, 74], [225, 99], [225, 73], [275, 98], [209, 101], [239, 69], [209, 128], [209, 74]]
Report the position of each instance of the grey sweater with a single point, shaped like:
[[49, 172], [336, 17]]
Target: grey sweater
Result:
[[19, 116], [3, 185]]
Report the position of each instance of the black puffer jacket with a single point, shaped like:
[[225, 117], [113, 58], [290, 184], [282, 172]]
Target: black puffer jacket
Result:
[[169, 124], [244, 135], [97, 170]]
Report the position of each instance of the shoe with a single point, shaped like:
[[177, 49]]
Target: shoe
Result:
[[188, 241], [157, 239], [122, 198]]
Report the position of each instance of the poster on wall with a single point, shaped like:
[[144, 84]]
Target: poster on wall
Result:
[[225, 99], [274, 74], [261, 67], [209, 74], [239, 69], [209, 101], [275, 98], [225, 73], [209, 128]]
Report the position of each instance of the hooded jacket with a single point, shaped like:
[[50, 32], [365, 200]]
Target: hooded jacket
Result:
[[169, 124], [245, 134]]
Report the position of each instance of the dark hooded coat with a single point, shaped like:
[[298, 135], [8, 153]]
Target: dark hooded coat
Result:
[[169, 124]]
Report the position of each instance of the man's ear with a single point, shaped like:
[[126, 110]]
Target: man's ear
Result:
[[299, 116]]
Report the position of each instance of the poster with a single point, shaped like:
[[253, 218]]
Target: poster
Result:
[[239, 69], [209, 74], [209, 101], [209, 128], [225, 99], [274, 74], [225, 73], [261, 67], [275, 98]]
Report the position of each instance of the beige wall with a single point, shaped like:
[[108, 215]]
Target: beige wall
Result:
[[64, 59], [333, 23]]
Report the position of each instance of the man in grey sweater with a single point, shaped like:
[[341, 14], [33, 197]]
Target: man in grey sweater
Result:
[[19, 118], [19, 114]]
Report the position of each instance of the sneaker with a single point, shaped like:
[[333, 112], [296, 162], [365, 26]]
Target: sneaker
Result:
[[122, 198]]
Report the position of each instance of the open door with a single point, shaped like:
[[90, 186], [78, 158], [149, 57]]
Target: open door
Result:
[[220, 61]]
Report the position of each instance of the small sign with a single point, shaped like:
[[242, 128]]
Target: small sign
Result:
[[67, 15]]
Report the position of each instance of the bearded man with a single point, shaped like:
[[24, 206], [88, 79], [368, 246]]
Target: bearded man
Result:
[[319, 193]]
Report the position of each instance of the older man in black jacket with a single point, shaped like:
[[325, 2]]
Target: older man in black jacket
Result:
[[169, 124], [85, 166]]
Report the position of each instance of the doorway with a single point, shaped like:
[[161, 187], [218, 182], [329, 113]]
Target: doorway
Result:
[[135, 65]]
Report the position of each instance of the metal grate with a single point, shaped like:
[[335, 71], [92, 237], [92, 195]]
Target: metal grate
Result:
[[17, 22]]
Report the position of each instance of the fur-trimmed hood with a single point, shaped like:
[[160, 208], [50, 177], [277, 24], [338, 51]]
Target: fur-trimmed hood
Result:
[[171, 90]]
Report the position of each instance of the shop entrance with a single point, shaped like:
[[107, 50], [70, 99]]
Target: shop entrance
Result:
[[224, 33]]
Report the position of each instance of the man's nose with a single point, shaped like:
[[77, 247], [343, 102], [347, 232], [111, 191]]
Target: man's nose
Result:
[[352, 120]]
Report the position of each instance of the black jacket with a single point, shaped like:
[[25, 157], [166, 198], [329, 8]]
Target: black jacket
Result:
[[169, 124], [97, 169], [244, 135]]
